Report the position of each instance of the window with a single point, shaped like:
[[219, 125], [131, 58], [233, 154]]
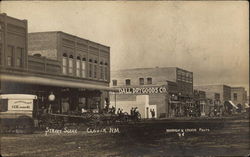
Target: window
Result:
[[3, 105], [149, 80], [127, 82], [90, 70], [78, 63], [83, 67], [95, 71], [19, 53], [141, 81], [105, 73], [102, 72], [235, 96], [70, 64], [10, 55], [114, 82], [0, 54], [64, 63]]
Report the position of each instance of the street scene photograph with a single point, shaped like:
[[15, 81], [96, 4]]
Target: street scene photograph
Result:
[[124, 78]]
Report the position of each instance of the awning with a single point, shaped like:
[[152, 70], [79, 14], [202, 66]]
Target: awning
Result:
[[52, 82], [246, 105], [18, 96], [233, 104]]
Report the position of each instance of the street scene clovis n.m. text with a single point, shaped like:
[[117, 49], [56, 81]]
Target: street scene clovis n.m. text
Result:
[[114, 79]]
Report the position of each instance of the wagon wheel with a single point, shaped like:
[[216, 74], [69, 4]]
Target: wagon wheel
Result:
[[125, 117], [24, 124], [92, 121]]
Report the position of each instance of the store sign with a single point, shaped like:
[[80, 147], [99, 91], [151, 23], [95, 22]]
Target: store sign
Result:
[[143, 90], [20, 105]]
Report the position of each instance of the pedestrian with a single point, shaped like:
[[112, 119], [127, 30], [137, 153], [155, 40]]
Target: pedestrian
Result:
[[153, 113], [118, 111], [132, 111]]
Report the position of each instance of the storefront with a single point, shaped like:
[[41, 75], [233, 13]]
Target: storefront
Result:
[[152, 100], [58, 96]]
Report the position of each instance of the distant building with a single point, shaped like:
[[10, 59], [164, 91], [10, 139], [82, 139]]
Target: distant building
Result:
[[239, 95], [167, 87], [216, 92], [153, 76]]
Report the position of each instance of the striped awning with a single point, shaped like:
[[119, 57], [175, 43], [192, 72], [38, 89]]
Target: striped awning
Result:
[[233, 104]]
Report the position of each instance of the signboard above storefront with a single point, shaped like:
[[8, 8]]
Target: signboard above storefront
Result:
[[142, 90], [18, 105]]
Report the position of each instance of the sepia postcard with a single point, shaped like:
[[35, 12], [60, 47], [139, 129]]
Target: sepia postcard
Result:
[[124, 78]]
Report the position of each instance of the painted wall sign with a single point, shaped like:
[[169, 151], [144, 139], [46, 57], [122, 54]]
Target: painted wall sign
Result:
[[143, 90], [20, 105]]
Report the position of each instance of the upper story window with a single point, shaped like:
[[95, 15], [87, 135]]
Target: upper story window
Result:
[[141, 81], [83, 67], [149, 80], [95, 71], [1, 54], [128, 82], [64, 63], [71, 64], [90, 67], [78, 67], [235, 96], [114, 82], [10, 56], [105, 73], [19, 57], [101, 70]]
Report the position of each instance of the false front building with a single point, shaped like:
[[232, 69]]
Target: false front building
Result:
[[162, 90], [69, 69]]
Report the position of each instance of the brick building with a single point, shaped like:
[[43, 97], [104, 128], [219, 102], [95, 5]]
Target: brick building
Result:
[[216, 92], [73, 69], [239, 95], [165, 86], [13, 42], [153, 76]]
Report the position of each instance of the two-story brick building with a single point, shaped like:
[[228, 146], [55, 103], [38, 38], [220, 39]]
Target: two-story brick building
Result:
[[73, 69], [177, 84]]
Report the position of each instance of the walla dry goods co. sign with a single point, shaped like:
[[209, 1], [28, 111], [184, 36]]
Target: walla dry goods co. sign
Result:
[[143, 90]]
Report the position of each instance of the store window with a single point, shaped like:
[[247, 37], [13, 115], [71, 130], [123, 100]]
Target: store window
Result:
[[10, 56], [19, 53], [3, 105], [128, 82], [149, 80], [141, 81], [78, 63], [83, 67], [235, 96], [71, 64], [64, 63], [114, 82]]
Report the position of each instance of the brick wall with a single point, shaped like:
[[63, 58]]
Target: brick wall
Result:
[[44, 44], [241, 95], [223, 90]]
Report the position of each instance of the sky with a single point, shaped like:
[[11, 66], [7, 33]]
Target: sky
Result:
[[210, 38]]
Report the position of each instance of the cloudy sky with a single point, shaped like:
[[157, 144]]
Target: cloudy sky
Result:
[[209, 38]]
